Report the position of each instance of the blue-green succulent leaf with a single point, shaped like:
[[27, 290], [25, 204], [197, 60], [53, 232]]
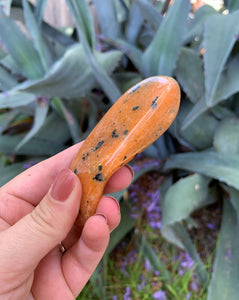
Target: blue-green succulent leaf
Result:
[[24, 54], [190, 74], [219, 38], [34, 29], [106, 13], [162, 54], [209, 163], [7, 81], [224, 283], [14, 98], [39, 119]]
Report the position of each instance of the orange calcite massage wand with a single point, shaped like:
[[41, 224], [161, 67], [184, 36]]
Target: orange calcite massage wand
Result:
[[134, 122]]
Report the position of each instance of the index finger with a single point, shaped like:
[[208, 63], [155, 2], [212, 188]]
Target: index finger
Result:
[[32, 184]]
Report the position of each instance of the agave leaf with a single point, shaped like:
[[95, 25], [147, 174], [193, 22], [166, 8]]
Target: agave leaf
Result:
[[134, 53], [150, 13], [224, 283], [39, 119], [125, 80], [39, 10], [219, 37], [195, 29], [71, 76], [226, 138], [134, 24], [24, 55], [6, 6], [107, 16], [84, 22], [199, 108], [37, 146], [14, 98], [181, 199], [68, 117], [209, 163], [228, 83], [6, 80], [161, 55], [232, 5], [6, 118], [190, 74], [33, 28], [80, 12], [201, 131], [184, 197]]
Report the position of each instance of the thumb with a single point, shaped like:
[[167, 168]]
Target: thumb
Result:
[[31, 238]]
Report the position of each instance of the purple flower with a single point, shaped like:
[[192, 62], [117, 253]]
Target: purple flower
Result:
[[114, 297], [127, 294], [129, 259], [147, 265], [210, 226], [187, 262], [29, 164], [194, 286], [188, 295], [160, 295]]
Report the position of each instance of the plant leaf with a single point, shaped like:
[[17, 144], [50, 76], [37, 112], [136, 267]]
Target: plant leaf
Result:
[[33, 28], [161, 55], [39, 119], [68, 117], [71, 76], [6, 80], [6, 6], [134, 24], [134, 53], [150, 13], [226, 138], [219, 37], [39, 10], [209, 163], [14, 98], [190, 74], [184, 197], [107, 16], [232, 5], [224, 284], [201, 131], [24, 55], [195, 29], [228, 83], [84, 22]]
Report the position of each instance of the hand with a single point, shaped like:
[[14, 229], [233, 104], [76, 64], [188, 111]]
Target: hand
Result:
[[37, 211]]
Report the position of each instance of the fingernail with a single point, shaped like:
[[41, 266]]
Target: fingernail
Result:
[[101, 215], [116, 202], [63, 185], [131, 170]]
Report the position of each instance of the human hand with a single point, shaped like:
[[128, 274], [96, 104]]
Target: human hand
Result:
[[37, 211]]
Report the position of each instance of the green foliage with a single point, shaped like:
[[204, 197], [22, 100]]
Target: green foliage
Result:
[[54, 87]]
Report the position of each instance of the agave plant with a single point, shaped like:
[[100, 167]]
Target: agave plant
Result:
[[55, 86]]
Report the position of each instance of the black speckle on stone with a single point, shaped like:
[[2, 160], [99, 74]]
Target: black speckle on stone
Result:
[[125, 158], [84, 156], [75, 171], [114, 134], [100, 167], [135, 88], [99, 177], [154, 102], [135, 108], [125, 132], [98, 145], [87, 201]]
